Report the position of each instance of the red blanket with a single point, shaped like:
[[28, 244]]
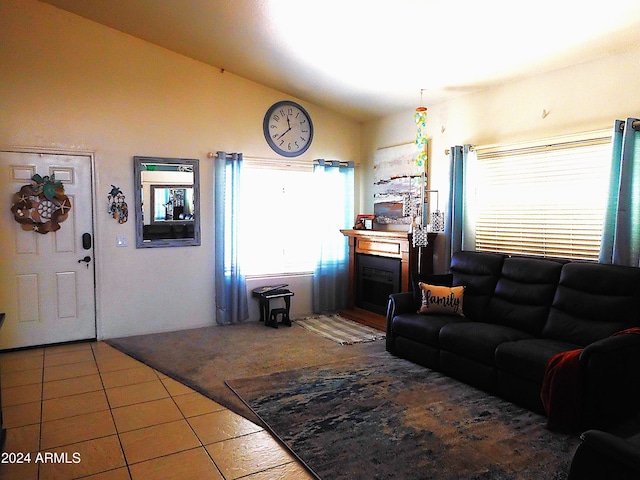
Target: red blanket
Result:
[[561, 392], [635, 330]]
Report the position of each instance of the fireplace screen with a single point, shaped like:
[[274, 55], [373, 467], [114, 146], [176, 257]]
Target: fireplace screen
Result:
[[376, 279]]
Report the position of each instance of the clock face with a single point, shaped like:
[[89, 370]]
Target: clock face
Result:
[[288, 129]]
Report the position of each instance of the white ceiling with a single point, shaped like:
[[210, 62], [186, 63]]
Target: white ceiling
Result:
[[368, 58]]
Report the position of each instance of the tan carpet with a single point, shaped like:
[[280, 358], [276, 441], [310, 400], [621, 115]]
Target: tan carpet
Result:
[[204, 358]]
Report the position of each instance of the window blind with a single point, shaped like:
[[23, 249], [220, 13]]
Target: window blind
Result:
[[545, 200]]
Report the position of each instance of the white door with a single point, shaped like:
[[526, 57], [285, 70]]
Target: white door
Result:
[[46, 280]]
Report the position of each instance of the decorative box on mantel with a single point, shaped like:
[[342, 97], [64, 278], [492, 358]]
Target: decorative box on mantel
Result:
[[380, 263]]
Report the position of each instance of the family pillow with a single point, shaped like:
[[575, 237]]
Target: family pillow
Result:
[[439, 299]]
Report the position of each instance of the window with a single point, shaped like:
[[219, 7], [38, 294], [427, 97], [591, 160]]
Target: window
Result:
[[547, 199], [275, 228]]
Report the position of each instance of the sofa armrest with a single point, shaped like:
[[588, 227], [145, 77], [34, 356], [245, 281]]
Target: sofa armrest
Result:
[[611, 379], [398, 303], [401, 303], [617, 448], [603, 455], [614, 345]]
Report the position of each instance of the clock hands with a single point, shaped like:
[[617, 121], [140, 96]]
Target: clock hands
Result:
[[286, 131], [283, 133]]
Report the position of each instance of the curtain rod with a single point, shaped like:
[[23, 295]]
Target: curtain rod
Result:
[[333, 163], [635, 125], [471, 149], [290, 161], [228, 156]]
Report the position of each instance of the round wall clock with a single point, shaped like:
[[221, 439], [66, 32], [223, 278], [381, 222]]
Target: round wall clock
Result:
[[288, 128]]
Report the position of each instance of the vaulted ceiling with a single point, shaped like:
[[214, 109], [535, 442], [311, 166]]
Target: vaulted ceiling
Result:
[[369, 58]]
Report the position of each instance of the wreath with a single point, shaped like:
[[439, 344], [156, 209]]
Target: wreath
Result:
[[41, 206]]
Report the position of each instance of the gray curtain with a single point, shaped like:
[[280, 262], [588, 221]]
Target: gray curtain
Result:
[[454, 223], [334, 193], [230, 290], [621, 232]]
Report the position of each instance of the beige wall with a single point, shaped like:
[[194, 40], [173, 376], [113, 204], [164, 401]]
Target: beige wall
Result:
[[71, 84], [585, 97], [68, 83]]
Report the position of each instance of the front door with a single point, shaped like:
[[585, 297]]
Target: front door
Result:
[[47, 279]]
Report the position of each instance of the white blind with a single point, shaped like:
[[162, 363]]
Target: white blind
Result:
[[547, 200]]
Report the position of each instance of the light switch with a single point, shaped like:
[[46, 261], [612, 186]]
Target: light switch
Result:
[[121, 241]]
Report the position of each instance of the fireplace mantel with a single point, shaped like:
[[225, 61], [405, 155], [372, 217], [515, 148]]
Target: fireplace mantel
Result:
[[383, 243]]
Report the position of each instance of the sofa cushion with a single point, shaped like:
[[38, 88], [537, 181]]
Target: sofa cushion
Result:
[[529, 358], [593, 301], [422, 328], [477, 340], [440, 299], [479, 273], [524, 293]]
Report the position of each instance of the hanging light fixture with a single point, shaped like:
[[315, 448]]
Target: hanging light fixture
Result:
[[421, 134], [420, 230]]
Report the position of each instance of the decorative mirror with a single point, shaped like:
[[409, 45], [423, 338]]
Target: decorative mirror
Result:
[[167, 198]]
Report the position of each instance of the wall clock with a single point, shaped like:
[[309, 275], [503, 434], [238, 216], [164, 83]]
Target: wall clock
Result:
[[288, 128]]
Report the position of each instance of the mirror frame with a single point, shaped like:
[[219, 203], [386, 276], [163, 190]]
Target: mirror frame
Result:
[[166, 242]]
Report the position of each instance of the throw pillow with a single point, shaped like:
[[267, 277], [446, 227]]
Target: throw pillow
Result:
[[438, 299]]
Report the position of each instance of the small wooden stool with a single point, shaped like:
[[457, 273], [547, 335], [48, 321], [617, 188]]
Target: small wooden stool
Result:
[[273, 321]]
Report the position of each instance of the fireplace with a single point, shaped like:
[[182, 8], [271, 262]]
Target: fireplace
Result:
[[376, 278], [394, 260]]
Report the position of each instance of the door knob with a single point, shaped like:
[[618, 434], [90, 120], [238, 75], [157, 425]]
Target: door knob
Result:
[[86, 259]]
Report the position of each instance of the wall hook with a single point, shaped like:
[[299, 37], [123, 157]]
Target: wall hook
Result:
[[545, 113]]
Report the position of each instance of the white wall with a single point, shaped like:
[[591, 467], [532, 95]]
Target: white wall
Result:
[[68, 83], [586, 97]]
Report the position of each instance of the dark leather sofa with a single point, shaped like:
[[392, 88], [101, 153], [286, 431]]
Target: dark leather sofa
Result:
[[518, 313], [603, 455]]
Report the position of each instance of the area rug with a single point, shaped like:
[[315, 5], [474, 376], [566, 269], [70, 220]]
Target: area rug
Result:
[[340, 330], [382, 417]]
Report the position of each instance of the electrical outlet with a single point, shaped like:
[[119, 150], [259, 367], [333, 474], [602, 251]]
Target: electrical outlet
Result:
[[121, 241]]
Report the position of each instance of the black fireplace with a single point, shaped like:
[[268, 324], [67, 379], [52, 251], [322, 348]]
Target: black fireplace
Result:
[[376, 278]]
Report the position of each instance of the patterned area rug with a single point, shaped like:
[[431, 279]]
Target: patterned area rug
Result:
[[340, 330], [382, 417]]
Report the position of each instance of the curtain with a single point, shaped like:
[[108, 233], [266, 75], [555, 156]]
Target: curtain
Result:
[[334, 191], [621, 231], [231, 293], [458, 230]]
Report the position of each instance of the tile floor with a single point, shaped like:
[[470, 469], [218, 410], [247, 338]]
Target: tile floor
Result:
[[89, 411]]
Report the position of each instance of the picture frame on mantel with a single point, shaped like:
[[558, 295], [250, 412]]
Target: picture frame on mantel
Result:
[[364, 222]]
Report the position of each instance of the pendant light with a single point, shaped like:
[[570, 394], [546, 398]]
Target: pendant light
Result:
[[421, 134]]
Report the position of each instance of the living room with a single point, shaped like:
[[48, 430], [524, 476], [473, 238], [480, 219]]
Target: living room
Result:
[[73, 85]]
